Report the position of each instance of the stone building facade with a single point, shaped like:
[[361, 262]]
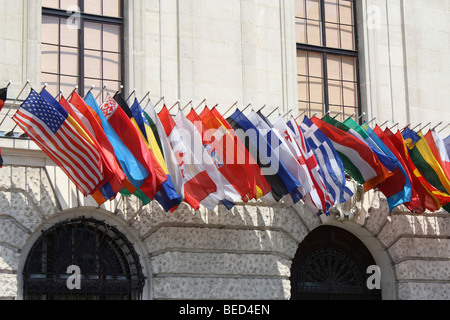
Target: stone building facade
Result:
[[227, 51]]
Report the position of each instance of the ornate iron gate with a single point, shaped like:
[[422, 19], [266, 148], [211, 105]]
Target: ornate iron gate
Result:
[[109, 265]]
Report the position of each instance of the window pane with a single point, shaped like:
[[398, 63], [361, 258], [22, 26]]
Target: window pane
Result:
[[349, 94], [348, 68], [69, 61], [72, 4], [334, 67], [49, 58], [313, 9], [332, 35], [314, 33], [300, 9], [347, 39], [331, 11], [67, 84], [69, 35], [50, 29], [111, 66], [316, 107], [111, 8], [50, 4], [111, 38], [315, 64], [92, 64], [303, 88], [335, 92], [346, 12], [52, 83], [300, 26], [302, 63], [93, 7], [93, 35], [316, 90]]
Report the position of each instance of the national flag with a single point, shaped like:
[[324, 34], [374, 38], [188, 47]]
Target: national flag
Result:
[[408, 196], [3, 97], [232, 173], [276, 174], [238, 162], [447, 145], [209, 160], [329, 161], [87, 116], [424, 159], [197, 185], [360, 162], [419, 193], [437, 146], [133, 169], [167, 196], [317, 200], [50, 129], [286, 157], [127, 132], [367, 136], [425, 166]]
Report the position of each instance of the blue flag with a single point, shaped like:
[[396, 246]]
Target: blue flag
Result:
[[329, 161], [279, 178], [132, 168]]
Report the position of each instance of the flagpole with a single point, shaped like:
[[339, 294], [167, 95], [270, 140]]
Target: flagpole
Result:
[[326, 114], [9, 83], [409, 124], [301, 114], [148, 93], [101, 91], [372, 120], [231, 108], [315, 114], [250, 104], [361, 116], [416, 126], [134, 91], [354, 114], [444, 128], [277, 108], [421, 129], [74, 90], [437, 126], [201, 103], [384, 123], [178, 102], [290, 111], [190, 103], [15, 101], [394, 126], [340, 112], [163, 98]]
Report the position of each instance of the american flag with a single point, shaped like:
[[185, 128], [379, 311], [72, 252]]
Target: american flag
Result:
[[51, 131]]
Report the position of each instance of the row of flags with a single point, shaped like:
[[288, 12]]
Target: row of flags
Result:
[[206, 160]]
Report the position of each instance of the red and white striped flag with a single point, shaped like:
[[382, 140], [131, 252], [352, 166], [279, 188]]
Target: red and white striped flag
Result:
[[50, 129]]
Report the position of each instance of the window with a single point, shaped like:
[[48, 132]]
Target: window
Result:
[[327, 57], [82, 44], [108, 264]]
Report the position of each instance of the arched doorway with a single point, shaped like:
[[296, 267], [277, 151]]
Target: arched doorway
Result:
[[331, 264], [108, 263]]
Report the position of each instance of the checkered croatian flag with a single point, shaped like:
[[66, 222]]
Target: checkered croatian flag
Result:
[[50, 130]]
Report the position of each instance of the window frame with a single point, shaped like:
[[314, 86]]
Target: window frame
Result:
[[324, 50], [88, 17]]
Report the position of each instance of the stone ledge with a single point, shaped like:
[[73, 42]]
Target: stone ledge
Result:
[[9, 258], [222, 240], [424, 290], [420, 247], [401, 225], [196, 288], [423, 270], [152, 218], [218, 264]]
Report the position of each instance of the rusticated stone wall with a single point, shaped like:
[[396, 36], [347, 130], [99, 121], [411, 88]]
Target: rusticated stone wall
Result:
[[245, 253]]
